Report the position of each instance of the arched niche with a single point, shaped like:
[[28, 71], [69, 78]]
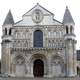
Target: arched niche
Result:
[[20, 66], [57, 65]]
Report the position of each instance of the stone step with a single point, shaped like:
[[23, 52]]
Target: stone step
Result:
[[55, 78]]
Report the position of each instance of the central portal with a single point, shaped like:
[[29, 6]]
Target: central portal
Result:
[[38, 68]]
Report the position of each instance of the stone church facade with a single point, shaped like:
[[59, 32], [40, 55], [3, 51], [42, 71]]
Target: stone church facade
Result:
[[39, 45]]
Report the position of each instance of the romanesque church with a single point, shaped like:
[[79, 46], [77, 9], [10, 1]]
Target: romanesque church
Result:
[[39, 45]]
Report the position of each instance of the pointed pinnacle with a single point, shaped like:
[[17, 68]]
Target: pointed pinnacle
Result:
[[37, 3], [9, 19]]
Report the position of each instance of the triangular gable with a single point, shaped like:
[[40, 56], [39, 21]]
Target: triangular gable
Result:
[[45, 11], [47, 20]]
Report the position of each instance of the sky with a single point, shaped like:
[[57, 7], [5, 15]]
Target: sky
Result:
[[20, 7]]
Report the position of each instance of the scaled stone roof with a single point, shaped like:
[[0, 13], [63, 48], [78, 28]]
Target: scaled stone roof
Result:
[[9, 19], [67, 17]]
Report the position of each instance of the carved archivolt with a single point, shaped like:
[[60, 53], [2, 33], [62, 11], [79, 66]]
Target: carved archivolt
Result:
[[58, 62], [38, 56], [56, 59], [19, 59]]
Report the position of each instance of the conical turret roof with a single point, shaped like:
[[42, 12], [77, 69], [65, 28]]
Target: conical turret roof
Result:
[[67, 17], [9, 19]]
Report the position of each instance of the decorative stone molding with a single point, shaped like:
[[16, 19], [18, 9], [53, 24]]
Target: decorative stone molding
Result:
[[19, 59]]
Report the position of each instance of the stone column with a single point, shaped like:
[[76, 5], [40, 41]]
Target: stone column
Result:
[[75, 58], [3, 59], [70, 57], [49, 66], [8, 59]]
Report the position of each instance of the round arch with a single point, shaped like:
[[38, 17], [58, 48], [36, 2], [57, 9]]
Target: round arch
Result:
[[41, 57], [56, 56], [57, 65], [19, 59], [20, 66]]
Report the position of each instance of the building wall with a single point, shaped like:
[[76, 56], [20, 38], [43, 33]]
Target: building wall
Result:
[[57, 52]]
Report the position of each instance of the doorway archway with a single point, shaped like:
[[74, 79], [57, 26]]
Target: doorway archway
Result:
[[38, 68]]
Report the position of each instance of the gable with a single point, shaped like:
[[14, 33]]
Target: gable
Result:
[[46, 17], [45, 11]]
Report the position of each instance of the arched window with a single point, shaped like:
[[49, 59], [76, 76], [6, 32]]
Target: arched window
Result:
[[71, 29], [10, 31], [5, 31], [38, 38], [66, 29]]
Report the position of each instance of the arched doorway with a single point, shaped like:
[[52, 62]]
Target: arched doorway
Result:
[[38, 68], [38, 38], [78, 71]]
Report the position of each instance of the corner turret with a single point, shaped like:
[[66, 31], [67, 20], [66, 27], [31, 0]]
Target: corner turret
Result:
[[70, 44], [6, 43], [7, 26], [68, 24]]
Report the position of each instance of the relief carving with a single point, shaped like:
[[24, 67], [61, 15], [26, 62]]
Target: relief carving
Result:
[[20, 60]]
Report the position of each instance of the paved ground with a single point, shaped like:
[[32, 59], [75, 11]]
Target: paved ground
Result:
[[56, 78]]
